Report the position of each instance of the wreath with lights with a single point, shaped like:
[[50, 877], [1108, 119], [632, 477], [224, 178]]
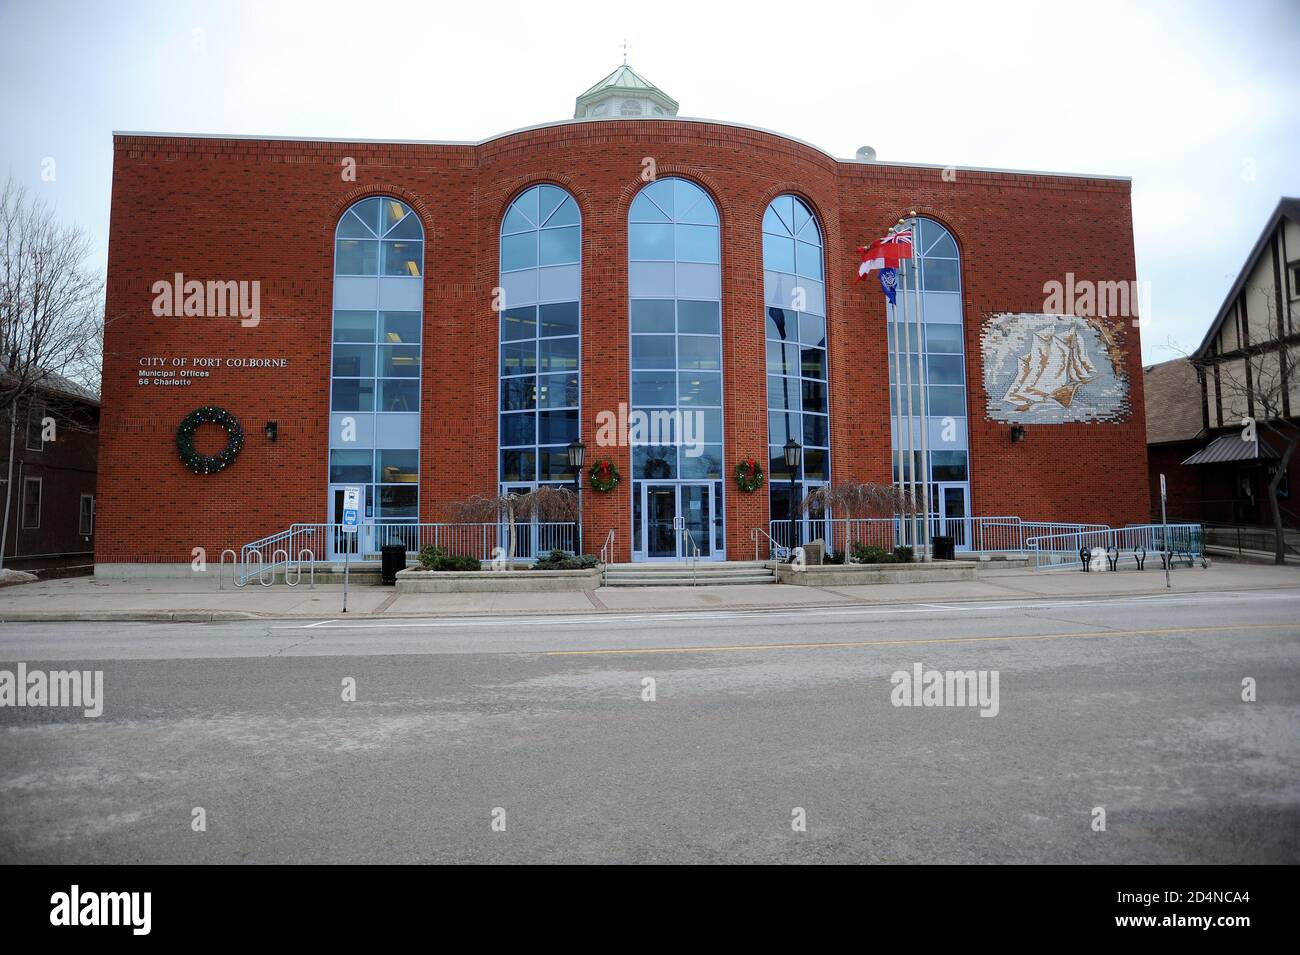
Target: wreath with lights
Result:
[[604, 475], [749, 475], [209, 463]]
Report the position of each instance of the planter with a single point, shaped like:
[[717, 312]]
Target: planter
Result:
[[841, 575], [417, 580]]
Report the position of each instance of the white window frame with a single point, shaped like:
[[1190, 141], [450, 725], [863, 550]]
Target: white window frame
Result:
[[40, 500], [40, 430], [81, 514]]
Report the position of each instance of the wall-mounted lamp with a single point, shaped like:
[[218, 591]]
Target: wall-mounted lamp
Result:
[[1017, 434], [272, 429]]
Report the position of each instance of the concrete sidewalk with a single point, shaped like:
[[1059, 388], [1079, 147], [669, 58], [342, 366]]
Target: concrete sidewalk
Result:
[[91, 599]]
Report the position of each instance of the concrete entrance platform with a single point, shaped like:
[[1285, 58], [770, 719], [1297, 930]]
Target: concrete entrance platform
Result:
[[87, 598]]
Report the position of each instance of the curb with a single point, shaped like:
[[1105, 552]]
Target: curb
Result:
[[230, 616], [133, 616]]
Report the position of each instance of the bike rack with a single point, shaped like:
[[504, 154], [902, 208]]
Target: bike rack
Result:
[[259, 562], [234, 567], [311, 566], [275, 560]]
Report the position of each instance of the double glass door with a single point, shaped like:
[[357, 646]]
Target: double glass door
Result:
[[676, 516]]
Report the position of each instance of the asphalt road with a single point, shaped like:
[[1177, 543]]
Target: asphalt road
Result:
[[1132, 705]]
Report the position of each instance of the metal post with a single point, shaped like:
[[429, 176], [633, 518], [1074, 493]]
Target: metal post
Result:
[[924, 375], [346, 551], [794, 539], [896, 399], [1164, 519], [577, 524], [911, 454]]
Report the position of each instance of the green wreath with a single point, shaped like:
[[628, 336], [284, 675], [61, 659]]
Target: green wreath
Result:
[[749, 475], [604, 475], [209, 463]]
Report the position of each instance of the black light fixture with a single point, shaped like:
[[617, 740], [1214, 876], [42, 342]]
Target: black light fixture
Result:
[[577, 456], [1017, 434], [272, 429], [793, 455]]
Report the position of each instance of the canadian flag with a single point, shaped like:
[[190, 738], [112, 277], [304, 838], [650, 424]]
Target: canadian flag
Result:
[[885, 253]]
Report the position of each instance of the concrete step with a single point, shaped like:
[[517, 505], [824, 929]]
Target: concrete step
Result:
[[679, 566], [664, 580], [678, 574]]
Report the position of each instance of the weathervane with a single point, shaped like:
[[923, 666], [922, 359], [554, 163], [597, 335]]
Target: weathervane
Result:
[[625, 51]]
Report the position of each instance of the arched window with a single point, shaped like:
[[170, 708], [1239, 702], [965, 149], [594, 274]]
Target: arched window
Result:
[[939, 281], [795, 321], [375, 362], [675, 424], [540, 346]]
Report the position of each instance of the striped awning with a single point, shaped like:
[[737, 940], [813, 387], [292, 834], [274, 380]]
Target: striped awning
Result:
[[1230, 447]]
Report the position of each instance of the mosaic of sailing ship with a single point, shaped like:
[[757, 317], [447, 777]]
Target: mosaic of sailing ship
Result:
[[1052, 369]]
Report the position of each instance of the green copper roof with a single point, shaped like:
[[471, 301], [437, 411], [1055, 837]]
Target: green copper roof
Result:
[[626, 80]]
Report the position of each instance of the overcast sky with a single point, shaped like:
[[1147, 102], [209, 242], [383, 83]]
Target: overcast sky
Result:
[[1198, 102]]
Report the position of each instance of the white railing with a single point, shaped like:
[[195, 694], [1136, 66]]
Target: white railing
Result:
[[330, 543], [774, 550], [606, 555], [997, 534], [1013, 534], [1171, 540], [840, 534], [692, 552]]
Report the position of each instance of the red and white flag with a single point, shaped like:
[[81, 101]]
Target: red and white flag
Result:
[[885, 253]]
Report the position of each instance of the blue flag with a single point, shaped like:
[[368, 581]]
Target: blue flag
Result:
[[889, 284]]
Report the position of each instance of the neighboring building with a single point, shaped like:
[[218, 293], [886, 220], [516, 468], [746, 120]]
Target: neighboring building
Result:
[[1245, 366], [656, 264], [52, 509]]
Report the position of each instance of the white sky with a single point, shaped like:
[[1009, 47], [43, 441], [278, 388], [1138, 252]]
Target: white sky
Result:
[[1198, 102]]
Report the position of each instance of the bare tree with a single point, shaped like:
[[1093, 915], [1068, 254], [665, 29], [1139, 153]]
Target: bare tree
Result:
[[859, 501], [1257, 388], [50, 311], [546, 503]]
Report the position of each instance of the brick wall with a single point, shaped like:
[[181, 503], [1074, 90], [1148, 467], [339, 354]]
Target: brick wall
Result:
[[265, 210]]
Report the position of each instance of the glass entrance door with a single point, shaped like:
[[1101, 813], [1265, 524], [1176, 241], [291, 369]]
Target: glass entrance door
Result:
[[339, 542], [952, 513], [672, 514], [659, 507], [696, 509]]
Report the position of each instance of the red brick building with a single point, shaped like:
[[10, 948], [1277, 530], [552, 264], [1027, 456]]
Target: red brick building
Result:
[[498, 299]]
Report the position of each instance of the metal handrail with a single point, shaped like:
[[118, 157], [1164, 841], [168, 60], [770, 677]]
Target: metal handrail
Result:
[[1168, 539], [773, 547], [606, 552], [692, 557], [272, 552]]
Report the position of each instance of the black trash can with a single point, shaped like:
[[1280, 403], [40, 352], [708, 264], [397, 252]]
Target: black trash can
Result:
[[392, 558], [944, 548]]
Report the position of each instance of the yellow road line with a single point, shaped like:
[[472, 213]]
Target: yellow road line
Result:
[[933, 640]]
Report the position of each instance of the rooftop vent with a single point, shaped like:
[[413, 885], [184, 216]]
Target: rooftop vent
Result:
[[866, 154]]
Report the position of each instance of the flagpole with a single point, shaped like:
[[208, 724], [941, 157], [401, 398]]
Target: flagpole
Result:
[[924, 373], [911, 452], [896, 403]]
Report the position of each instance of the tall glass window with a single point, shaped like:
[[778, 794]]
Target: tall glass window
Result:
[[795, 321], [540, 341], [944, 351], [675, 308], [375, 359]]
